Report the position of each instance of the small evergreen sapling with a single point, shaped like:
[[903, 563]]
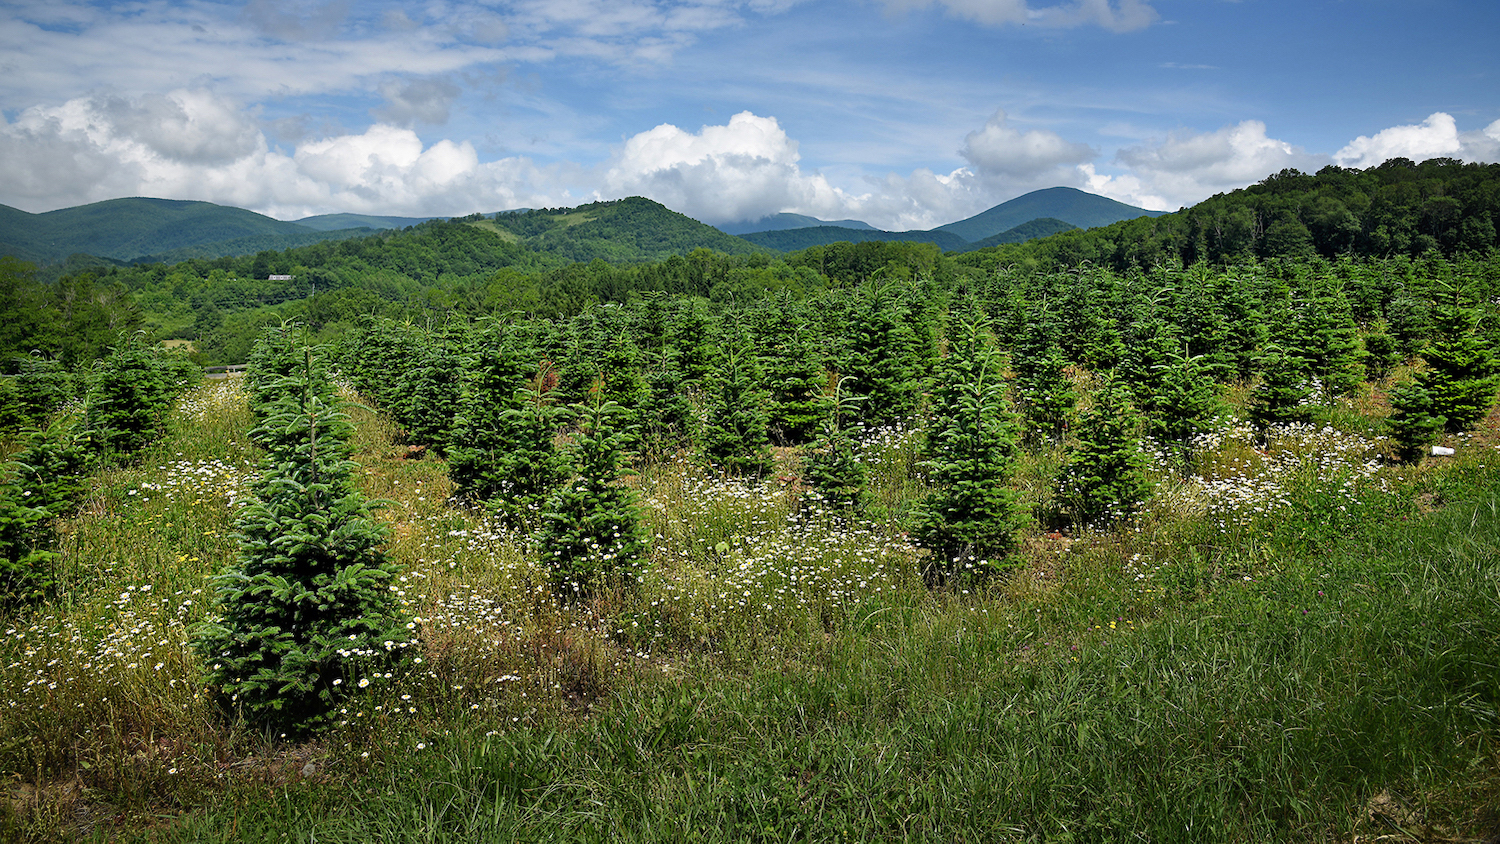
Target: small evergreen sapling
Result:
[[970, 519], [1282, 395], [1461, 375], [735, 432], [1104, 479], [309, 600], [831, 464], [591, 530], [129, 398], [1413, 423]]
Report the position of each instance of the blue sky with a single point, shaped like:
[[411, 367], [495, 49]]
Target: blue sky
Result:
[[903, 113]]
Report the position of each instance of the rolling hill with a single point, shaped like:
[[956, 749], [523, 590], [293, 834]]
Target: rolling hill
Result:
[[1080, 208], [629, 230], [1036, 214], [787, 220], [133, 228], [336, 222], [792, 240]]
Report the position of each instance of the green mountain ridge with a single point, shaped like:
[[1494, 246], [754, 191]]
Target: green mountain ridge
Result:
[[337, 222], [787, 220], [1071, 205], [792, 240], [630, 230], [148, 230], [125, 229]]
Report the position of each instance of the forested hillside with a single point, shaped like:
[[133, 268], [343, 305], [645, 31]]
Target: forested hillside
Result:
[[143, 229], [1397, 208]]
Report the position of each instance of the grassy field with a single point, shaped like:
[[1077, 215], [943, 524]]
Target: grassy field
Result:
[[1298, 642]]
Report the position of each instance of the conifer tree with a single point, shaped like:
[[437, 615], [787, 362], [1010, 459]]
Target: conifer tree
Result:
[[1326, 337], [1184, 406], [1461, 375], [308, 601], [971, 518], [735, 434], [882, 356], [1281, 396], [13, 415], [831, 464], [1413, 423], [1381, 353], [1104, 479], [129, 398], [27, 550], [791, 361], [591, 530], [1046, 394], [669, 421], [495, 373]]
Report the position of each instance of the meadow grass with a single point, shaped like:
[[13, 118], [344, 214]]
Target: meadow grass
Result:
[[1295, 642]]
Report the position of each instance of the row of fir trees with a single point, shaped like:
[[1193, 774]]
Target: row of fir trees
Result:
[[983, 371], [69, 424]]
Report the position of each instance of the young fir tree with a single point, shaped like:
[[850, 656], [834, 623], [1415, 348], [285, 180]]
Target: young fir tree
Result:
[[13, 414], [735, 436], [591, 530], [528, 472], [1281, 397], [971, 518], [309, 601], [1381, 352], [791, 360], [1104, 479], [47, 481], [1186, 405], [495, 373], [1461, 375], [669, 421], [882, 356], [44, 385], [1413, 423], [831, 464], [428, 388], [1046, 394], [128, 400], [28, 555], [1327, 338]]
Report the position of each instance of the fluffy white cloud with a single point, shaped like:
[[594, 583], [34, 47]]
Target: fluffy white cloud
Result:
[[1119, 16], [193, 145], [1000, 152], [739, 171], [1481, 145], [1188, 167], [1434, 137]]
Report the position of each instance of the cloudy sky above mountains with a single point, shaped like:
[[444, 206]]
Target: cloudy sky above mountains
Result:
[[903, 113]]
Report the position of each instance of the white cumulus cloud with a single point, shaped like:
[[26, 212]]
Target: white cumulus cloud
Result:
[[743, 170], [1432, 138], [1188, 167], [194, 145], [999, 151]]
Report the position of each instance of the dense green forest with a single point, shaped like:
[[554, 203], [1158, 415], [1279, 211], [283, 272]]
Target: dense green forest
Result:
[[1397, 208]]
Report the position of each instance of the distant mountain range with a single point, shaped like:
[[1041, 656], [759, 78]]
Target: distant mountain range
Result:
[[785, 220], [140, 229], [1036, 214]]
